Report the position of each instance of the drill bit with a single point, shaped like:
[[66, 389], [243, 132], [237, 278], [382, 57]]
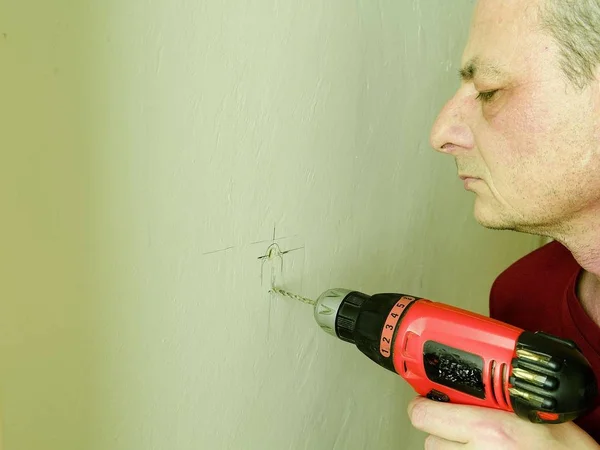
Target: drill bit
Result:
[[294, 296]]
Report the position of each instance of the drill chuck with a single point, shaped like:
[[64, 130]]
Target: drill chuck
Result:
[[337, 312], [327, 308]]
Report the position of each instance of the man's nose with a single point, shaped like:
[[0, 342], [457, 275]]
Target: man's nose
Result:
[[451, 133]]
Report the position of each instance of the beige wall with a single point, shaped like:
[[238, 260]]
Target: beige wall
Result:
[[149, 151]]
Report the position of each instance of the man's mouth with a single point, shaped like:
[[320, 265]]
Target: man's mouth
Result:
[[468, 179]]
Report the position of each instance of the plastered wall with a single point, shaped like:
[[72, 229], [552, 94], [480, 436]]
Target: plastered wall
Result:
[[153, 151]]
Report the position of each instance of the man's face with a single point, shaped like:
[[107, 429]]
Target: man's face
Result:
[[533, 145]]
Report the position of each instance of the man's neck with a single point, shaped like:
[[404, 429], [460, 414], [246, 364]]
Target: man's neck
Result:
[[583, 241], [581, 235], [588, 292], [587, 253]]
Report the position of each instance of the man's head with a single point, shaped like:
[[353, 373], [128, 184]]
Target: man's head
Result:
[[526, 120]]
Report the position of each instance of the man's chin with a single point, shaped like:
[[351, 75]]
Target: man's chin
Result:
[[492, 219], [491, 215], [494, 225]]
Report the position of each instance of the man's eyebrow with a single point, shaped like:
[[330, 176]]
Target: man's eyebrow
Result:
[[477, 66]]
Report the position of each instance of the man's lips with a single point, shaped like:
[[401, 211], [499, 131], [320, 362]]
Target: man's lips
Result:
[[468, 180]]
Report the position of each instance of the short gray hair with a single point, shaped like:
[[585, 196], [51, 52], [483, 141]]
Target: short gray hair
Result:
[[575, 25]]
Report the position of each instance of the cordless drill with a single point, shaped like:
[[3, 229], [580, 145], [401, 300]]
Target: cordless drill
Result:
[[451, 355]]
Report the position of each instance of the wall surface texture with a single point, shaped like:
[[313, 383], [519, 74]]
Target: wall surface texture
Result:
[[153, 151]]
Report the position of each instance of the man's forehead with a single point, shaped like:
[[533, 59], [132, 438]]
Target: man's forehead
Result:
[[503, 34], [507, 10]]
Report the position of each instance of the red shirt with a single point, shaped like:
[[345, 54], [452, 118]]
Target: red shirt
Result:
[[538, 293]]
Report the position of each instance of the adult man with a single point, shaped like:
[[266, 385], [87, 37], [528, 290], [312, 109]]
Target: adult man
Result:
[[524, 128]]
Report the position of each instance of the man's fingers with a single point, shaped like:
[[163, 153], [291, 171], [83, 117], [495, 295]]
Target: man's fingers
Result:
[[447, 421], [437, 443]]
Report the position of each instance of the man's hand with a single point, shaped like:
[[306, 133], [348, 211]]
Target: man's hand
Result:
[[452, 426]]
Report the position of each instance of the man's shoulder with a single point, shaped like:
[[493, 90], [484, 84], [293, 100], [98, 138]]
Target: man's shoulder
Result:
[[534, 281]]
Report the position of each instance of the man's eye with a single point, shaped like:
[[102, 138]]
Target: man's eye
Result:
[[485, 97]]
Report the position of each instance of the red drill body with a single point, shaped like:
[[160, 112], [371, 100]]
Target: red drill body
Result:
[[450, 354], [490, 344]]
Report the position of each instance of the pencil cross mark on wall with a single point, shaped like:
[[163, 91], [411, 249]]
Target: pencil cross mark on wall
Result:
[[275, 251]]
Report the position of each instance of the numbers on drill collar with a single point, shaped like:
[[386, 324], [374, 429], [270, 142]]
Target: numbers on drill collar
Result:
[[385, 344]]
